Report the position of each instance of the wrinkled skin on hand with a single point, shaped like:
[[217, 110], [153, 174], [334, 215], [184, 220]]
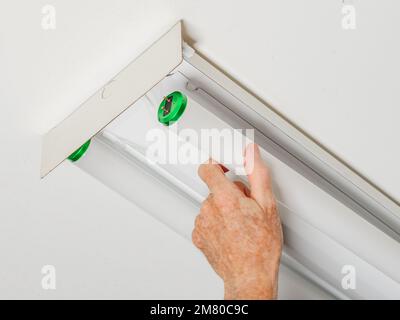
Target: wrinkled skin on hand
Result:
[[239, 230]]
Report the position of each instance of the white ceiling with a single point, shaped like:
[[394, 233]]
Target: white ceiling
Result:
[[340, 86]]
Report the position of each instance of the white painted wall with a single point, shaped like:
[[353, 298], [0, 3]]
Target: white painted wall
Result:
[[340, 86]]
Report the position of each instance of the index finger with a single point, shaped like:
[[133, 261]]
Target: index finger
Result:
[[213, 175]]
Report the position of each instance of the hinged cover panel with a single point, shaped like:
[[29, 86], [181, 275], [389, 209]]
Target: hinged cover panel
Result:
[[111, 100]]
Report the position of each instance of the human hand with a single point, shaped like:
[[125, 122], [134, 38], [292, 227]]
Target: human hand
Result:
[[239, 230]]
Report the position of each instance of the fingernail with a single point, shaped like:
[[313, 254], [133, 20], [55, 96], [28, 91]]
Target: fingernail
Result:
[[224, 169]]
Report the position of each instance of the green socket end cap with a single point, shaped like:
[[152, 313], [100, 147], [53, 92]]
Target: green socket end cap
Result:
[[171, 108], [78, 153]]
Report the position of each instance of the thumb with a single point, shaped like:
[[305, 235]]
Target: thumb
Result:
[[259, 177]]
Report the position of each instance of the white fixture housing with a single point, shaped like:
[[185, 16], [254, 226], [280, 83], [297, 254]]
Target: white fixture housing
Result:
[[332, 217]]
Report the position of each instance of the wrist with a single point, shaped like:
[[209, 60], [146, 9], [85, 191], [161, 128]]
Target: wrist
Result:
[[261, 285]]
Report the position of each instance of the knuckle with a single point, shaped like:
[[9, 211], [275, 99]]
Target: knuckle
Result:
[[204, 170], [226, 201], [196, 239], [206, 207], [198, 222], [271, 205]]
